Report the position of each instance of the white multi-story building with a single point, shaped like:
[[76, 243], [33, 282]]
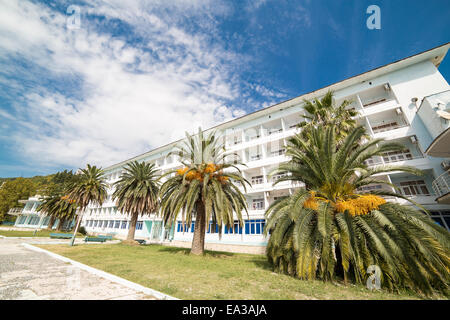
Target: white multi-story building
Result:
[[387, 98]]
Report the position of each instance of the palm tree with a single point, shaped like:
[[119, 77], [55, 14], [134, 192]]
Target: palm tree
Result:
[[49, 207], [90, 187], [203, 189], [137, 192], [57, 207], [330, 228], [56, 204], [324, 112]]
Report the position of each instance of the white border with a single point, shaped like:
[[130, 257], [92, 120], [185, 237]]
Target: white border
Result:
[[104, 274]]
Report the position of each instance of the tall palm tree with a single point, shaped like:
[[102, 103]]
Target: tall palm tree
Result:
[[136, 192], [90, 187], [323, 112], [204, 189], [330, 228]]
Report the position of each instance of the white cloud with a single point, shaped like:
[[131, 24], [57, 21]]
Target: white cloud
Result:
[[129, 100]]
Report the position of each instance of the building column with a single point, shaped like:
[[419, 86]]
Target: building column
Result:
[[369, 126], [266, 200], [163, 231], [41, 220], [283, 125], [264, 173]]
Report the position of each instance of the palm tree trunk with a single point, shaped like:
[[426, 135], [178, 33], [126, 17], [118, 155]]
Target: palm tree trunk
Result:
[[60, 225], [198, 242], [51, 222], [132, 229]]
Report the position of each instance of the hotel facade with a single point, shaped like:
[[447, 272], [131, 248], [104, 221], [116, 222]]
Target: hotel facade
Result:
[[406, 101]]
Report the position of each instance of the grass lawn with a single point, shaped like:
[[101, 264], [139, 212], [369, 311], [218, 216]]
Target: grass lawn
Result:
[[217, 275], [26, 233]]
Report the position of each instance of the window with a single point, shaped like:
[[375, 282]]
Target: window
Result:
[[278, 176], [254, 226], [34, 220], [397, 156], [257, 179], [182, 227], [255, 157], [211, 228], [372, 161], [105, 223], [139, 225], [258, 204], [124, 224], [370, 188], [116, 224], [235, 229], [412, 188], [95, 223], [442, 218], [46, 220], [111, 224]]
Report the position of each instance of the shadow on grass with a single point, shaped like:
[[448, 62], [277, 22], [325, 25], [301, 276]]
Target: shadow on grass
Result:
[[187, 251], [262, 263]]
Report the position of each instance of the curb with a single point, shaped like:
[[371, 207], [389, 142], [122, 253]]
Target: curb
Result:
[[104, 274]]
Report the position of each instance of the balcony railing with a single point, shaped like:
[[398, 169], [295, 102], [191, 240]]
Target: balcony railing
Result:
[[371, 102], [395, 124], [277, 153], [273, 131], [441, 185], [15, 211]]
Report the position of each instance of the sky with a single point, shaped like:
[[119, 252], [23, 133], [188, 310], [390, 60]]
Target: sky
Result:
[[99, 82]]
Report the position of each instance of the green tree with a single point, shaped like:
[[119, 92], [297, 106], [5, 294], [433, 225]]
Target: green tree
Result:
[[203, 189], [330, 228], [11, 191], [323, 113], [136, 192], [90, 187]]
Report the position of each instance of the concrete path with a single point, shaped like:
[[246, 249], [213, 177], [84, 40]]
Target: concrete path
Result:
[[30, 275]]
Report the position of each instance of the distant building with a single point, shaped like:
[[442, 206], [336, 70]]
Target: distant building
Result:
[[29, 217]]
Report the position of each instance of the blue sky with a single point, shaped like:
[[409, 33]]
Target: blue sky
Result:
[[137, 74]]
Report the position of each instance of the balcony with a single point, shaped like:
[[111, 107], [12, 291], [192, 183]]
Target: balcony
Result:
[[15, 211], [441, 186], [435, 114], [378, 96], [387, 120]]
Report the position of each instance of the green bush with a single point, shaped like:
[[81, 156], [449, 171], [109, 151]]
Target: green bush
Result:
[[82, 230]]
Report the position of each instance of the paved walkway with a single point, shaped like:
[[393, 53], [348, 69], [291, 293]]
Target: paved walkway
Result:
[[30, 275]]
